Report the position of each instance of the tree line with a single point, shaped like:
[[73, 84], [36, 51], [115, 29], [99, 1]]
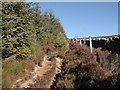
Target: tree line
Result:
[[25, 28]]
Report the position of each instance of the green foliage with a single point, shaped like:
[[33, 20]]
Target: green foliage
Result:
[[11, 69], [12, 66], [15, 35], [25, 28]]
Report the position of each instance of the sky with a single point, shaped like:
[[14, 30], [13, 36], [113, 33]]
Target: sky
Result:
[[84, 19]]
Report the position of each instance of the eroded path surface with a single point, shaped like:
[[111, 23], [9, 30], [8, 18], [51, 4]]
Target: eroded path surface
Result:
[[57, 70], [40, 71]]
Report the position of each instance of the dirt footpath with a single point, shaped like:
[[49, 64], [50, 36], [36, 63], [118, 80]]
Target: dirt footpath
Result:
[[40, 71]]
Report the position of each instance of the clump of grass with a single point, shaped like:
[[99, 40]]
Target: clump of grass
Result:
[[11, 69]]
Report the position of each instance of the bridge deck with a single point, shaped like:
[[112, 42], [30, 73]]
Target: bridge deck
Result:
[[100, 38]]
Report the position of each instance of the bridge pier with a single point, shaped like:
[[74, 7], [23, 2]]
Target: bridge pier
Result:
[[80, 42], [90, 44]]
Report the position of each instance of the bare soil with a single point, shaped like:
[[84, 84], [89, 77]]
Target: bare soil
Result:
[[39, 71]]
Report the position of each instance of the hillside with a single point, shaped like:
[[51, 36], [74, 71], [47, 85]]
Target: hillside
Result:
[[36, 53], [26, 33], [81, 69]]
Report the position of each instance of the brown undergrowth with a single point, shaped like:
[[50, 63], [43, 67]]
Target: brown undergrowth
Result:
[[81, 69]]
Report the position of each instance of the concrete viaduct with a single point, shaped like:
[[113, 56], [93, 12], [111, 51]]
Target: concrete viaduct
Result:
[[110, 43]]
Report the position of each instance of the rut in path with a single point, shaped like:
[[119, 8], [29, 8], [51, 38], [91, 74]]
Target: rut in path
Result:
[[40, 71]]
